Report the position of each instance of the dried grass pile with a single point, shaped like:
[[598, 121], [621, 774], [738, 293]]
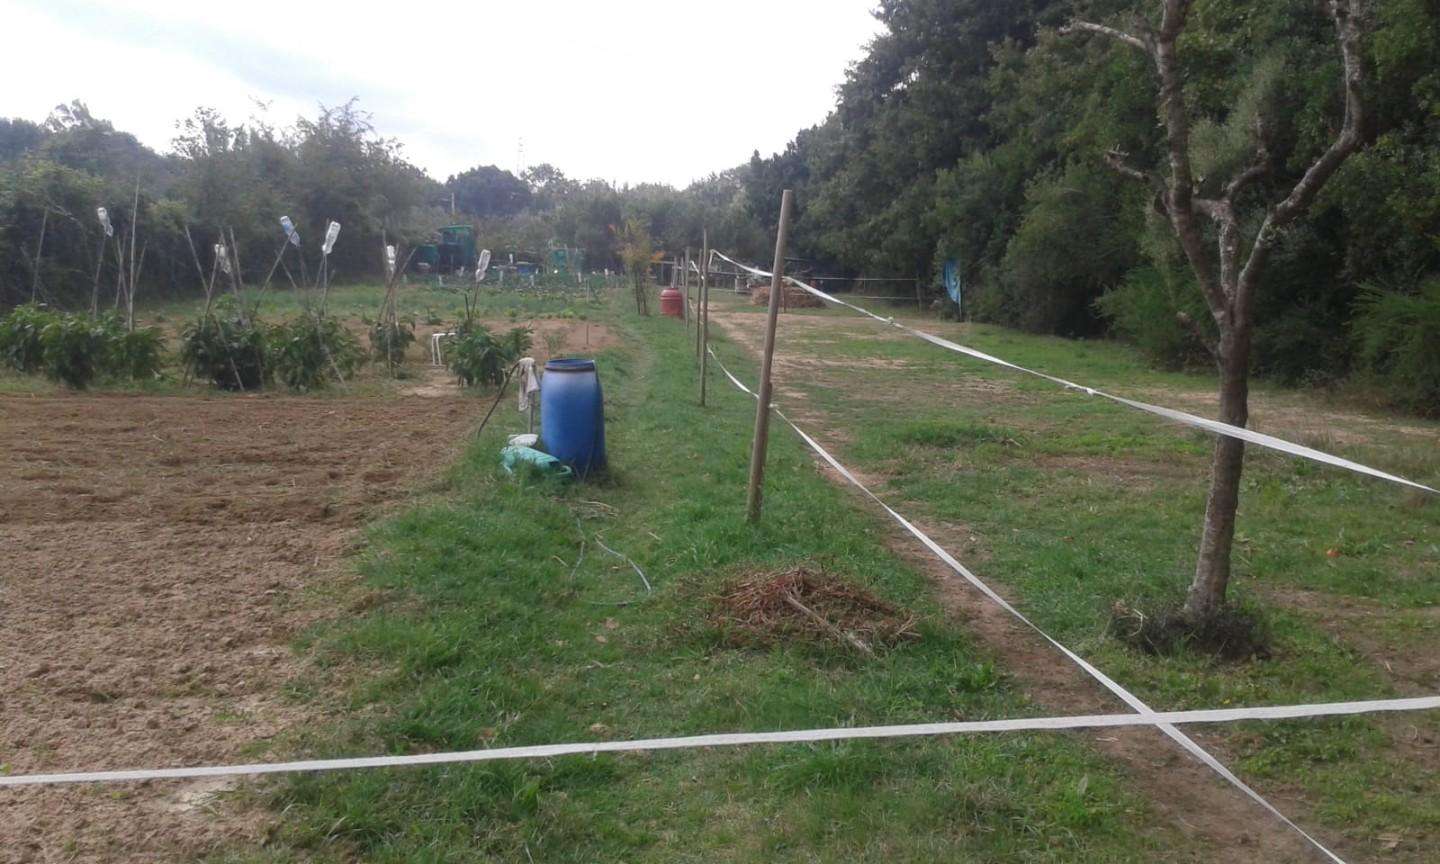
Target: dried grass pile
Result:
[[803, 604], [793, 298]]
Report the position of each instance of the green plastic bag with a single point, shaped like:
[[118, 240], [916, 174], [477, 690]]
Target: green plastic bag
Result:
[[543, 463]]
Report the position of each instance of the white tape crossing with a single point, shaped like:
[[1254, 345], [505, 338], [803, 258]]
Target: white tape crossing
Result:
[[1143, 711]]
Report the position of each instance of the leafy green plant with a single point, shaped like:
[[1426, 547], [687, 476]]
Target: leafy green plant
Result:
[[137, 355], [477, 357], [226, 349], [309, 352], [74, 350], [388, 342], [20, 345], [1150, 308]]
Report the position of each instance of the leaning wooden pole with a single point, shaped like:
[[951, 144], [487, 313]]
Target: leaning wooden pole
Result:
[[702, 314], [39, 250], [134, 268], [762, 409], [95, 288]]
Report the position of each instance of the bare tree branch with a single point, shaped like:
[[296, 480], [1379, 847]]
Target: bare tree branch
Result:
[[1116, 159], [1182, 182], [1258, 168], [1121, 35], [1200, 335]]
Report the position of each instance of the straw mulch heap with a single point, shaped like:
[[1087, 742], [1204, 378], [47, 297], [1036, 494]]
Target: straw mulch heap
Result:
[[792, 298], [807, 605]]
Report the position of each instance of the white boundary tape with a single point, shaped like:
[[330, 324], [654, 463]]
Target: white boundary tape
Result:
[[733, 739], [1212, 426], [1143, 710]]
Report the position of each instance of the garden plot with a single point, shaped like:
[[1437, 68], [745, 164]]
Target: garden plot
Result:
[[161, 553]]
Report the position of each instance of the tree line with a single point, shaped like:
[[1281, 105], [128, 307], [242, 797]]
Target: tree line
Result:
[[983, 133], [229, 183], [970, 132]]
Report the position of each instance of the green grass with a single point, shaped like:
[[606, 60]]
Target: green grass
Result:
[[488, 634], [1075, 503]]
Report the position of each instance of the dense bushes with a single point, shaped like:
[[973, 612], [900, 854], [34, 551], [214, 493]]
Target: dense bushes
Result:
[[77, 349], [1151, 309], [20, 345], [1397, 341]]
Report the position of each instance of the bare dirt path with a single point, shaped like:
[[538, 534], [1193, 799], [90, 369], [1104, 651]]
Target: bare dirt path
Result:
[[159, 555], [1221, 822]]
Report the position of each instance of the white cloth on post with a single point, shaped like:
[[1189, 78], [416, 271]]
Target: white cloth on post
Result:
[[529, 381]]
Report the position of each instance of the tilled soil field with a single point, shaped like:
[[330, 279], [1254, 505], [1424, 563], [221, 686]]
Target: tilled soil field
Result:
[[156, 558]]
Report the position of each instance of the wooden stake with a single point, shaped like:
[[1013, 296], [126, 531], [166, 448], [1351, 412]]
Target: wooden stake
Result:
[[95, 289], [39, 248], [703, 313], [686, 290], [134, 270], [762, 409]]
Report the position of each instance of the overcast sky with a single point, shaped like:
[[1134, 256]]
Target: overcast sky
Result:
[[594, 88]]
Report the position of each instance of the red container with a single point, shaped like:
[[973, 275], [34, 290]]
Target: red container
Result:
[[672, 303]]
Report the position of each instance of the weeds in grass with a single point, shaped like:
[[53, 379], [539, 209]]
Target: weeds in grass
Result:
[[941, 433], [1233, 634]]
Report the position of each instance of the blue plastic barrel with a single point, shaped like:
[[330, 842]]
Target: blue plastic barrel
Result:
[[572, 414]]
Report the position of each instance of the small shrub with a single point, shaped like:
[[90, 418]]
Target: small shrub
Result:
[[226, 350], [135, 355], [1396, 335], [20, 345], [389, 341], [477, 357], [1146, 309], [308, 352]]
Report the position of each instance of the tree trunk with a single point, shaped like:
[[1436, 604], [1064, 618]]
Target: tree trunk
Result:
[[1212, 565]]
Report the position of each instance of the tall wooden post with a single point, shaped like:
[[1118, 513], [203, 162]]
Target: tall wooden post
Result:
[[703, 313], [685, 291], [762, 409], [685, 280]]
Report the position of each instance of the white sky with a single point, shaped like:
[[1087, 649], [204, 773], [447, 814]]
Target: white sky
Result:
[[590, 87]]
